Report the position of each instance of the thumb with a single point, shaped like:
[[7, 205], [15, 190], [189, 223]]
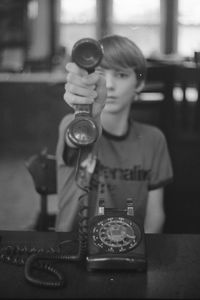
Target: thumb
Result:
[[100, 100]]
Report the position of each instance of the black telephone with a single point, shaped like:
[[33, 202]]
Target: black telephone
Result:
[[115, 240], [112, 240]]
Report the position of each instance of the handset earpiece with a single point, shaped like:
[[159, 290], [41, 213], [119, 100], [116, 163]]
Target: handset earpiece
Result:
[[87, 53]]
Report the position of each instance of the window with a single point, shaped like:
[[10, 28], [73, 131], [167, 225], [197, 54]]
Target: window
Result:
[[139, 20], [77, 20], [188, 27]]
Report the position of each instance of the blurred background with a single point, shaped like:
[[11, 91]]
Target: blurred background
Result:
[[36, 38]]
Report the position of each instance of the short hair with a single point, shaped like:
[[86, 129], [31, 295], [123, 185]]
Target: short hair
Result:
[[121, 52]]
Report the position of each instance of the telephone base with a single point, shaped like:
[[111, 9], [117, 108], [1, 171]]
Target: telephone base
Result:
[[116, 241], [99, 262]]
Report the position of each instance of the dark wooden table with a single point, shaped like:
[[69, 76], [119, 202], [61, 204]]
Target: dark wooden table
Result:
[[173, 271]]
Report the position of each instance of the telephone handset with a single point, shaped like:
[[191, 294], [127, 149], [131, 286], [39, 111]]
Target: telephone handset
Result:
[[115, 240], [87, 53]]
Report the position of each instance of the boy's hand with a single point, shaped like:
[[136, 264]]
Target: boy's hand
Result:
[[84, 88]]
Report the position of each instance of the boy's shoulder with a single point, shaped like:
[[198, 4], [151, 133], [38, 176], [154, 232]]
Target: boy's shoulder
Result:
[[148, 131]]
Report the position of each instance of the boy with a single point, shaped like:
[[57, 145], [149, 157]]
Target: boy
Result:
[[129, 159]]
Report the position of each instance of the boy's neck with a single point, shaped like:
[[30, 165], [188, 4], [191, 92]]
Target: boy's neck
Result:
[[116, 124]]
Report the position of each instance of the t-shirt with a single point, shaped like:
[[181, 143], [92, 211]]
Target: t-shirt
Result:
[[115, 169]]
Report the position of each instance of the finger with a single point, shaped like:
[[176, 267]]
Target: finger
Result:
[[72, 99], [100, 100], [80, 91], [101, 91], [74, 68], [78, 81], [91, 79]]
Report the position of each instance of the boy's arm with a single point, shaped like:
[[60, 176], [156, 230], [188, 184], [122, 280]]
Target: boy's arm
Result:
[[155, 215]]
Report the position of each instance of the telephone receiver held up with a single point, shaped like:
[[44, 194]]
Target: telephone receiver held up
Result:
[[87, 53]]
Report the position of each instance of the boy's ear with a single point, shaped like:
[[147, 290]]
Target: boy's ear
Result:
[[140, 86]]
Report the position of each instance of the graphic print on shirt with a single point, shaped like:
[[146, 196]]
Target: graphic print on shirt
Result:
[[107, 178]]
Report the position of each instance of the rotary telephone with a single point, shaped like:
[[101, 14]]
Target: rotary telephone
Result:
[[115, 240], [112, 240]]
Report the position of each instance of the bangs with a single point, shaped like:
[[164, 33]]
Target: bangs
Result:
[[115, 57], [121, 53]]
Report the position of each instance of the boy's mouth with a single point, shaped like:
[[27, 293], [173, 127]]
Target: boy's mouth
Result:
[[110, 98]]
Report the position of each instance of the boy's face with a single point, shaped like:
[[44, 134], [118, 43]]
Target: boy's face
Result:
[[121, 89]]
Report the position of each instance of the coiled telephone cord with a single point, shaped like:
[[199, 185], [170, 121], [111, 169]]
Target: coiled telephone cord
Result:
[[33, 260], [37, 259]]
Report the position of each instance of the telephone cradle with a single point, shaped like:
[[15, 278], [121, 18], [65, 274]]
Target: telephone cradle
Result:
[[115, 240]]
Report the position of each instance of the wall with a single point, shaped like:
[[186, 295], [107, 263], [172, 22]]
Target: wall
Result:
[[29, 116]]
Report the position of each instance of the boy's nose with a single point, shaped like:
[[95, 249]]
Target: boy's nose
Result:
[[109, 80]]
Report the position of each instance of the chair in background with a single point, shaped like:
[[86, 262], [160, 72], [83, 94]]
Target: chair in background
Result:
[[42, 168], [185, 149], [186, 94], [177, 113]]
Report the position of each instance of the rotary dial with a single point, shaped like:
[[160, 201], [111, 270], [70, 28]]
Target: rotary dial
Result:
[[116, 234]]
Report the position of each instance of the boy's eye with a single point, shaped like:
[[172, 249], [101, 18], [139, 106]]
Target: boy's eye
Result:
[[122, 74]]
